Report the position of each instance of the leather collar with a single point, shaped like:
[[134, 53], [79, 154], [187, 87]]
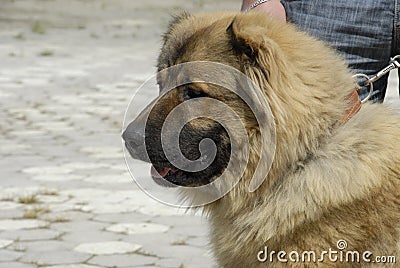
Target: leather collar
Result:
[[355, 103]]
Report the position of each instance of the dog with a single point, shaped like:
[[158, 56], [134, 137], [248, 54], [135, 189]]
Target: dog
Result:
[[331, 180]]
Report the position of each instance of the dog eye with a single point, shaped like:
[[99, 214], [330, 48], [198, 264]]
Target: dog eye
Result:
[[191, 93]]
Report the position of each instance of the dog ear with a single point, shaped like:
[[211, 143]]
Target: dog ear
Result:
[[245, 39], [250, 39], [166, 48], [176, 19], [239, 42]]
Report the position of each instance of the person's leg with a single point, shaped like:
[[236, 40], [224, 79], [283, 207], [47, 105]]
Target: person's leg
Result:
[[360, 30], [396, 33]]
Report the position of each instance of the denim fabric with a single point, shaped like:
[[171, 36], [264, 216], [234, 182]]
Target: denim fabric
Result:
[[360, 30]]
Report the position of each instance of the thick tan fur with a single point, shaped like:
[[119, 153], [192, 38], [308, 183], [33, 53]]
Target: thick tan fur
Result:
[[327, 182]]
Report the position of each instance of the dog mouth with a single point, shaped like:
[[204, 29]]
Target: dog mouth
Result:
[[165, 176]]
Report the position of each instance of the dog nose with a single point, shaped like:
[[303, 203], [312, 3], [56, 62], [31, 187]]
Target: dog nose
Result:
[[134, 137]]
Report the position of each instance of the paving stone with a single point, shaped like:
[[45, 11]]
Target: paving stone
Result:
[[6, 205], [9, 255], [21, 224], [101, 150], [54, 257], [12, 213], [122, 217], [72, 266], [65, 207], [52, 198], [181, 220], [132, 260], [100, 208], [138, 228], [16, 192], [170, 263], [163, 240], [119, 167], [108, 179], [107, 248], [198, 241], [198, 262], [29, 235], [78, 226], [182, 252], [47, 170], [85, 194], [91, 236], [57, 177], [67, 216], [42, 246], [84, 165], [198, 229], [5, 243], [160, 209], [72, 100], [28, 133], [16, 265], [12, 148], [116, 155]]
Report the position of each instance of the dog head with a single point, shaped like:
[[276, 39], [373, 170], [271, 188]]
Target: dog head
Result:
[[264, 50]]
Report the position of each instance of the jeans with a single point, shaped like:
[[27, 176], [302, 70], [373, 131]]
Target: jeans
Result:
[[364, 32]]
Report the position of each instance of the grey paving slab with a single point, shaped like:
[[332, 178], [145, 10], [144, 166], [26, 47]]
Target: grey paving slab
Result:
[[122, 217], [148, 240], [170, 262], [31, 235], [81, 265], [198, 241], [78, 226], [138, 228], [55, 257], [5, 243], [132, 260], [9, 255], [182, 252], [67, 216], [91, 236], [107, 247], [42, 246], [16, 265], [18, 224], [11, 213]]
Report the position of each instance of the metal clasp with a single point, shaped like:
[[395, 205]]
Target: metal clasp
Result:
[[369, 81]]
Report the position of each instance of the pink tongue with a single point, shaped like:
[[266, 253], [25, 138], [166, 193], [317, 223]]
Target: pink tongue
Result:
[[159, 173]]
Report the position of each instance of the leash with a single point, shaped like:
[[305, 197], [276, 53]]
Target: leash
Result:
[[366, 81]]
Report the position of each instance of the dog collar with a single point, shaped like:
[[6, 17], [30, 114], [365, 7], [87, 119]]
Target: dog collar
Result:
[[355, 102]]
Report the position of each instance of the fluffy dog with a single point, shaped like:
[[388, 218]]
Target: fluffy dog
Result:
[[328, 182]]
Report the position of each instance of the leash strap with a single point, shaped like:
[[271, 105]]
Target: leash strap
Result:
[[369, 81], [354, 98]]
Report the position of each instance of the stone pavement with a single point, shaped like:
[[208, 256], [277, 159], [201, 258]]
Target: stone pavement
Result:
[[68, 70]]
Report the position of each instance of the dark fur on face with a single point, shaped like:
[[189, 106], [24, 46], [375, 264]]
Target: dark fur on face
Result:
[[189, 140]]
